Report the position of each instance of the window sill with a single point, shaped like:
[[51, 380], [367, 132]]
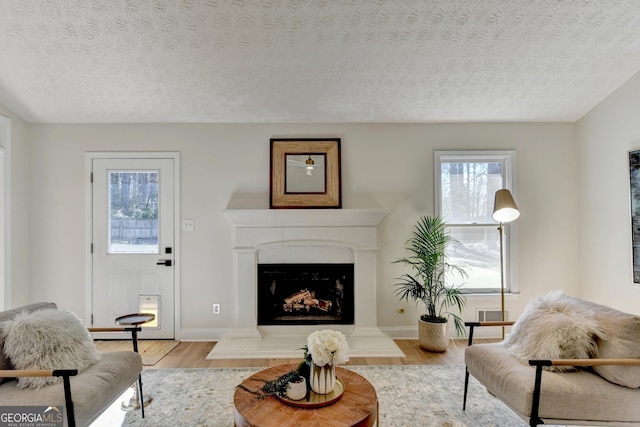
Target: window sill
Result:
[[511, 296]]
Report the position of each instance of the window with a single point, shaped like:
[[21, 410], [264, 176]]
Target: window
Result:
[[133, 212], [466, 182]]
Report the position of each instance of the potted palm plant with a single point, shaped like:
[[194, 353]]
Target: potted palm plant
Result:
[[429, 264]]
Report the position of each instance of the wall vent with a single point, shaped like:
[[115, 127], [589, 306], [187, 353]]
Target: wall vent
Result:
[[492, 315]]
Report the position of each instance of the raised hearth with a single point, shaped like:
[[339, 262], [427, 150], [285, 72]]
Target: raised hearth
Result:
[[298, 236]]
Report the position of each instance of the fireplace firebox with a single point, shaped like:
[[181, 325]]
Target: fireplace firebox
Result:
[[305, 294]]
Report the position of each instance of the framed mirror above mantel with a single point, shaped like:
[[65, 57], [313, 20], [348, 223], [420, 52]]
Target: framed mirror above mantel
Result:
[[305, 173]]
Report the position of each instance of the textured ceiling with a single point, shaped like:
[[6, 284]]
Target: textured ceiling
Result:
[[102, 61]]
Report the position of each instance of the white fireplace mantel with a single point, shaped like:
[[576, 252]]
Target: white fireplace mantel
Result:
[[305, 217], [312, 236], [261, 230]]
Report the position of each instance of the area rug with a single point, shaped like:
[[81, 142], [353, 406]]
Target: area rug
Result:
[[421, 396], [151, 351]]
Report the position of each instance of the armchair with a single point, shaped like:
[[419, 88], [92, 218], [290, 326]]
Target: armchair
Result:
[[84, 395], [603, 392]]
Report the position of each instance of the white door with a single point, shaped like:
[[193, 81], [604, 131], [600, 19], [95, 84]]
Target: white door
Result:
[[133, 239]]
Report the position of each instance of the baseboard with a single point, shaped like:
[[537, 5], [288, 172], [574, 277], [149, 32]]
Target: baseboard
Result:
[[202, 334], [411, 332]]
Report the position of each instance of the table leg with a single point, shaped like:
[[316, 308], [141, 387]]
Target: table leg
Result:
[[134, 401]]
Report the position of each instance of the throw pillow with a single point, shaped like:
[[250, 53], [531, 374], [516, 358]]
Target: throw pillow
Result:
[[552, 327], [623, 342], [48, 339]]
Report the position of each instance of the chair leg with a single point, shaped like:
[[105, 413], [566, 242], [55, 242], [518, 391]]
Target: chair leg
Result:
[[71, 418], [466, 388], [140, 395], [535, 404]]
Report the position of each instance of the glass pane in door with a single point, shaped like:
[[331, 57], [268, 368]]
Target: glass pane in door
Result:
[[133, 212]]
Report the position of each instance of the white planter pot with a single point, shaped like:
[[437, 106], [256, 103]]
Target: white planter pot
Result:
[[433, 336], [297, 390]]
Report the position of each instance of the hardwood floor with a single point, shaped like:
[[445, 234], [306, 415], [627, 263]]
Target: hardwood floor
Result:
[[193, 355]]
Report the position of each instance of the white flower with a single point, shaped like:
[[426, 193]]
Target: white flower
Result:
[[328, 347]]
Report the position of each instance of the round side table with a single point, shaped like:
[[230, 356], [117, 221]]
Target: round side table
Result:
[[136, 319]]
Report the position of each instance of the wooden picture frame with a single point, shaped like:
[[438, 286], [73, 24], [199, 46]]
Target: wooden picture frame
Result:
[[634, 187], [305, 173]]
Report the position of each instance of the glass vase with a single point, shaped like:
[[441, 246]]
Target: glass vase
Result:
[[322, 379]]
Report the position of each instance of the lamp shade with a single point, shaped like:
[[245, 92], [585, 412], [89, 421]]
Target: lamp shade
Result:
[[504, 208]]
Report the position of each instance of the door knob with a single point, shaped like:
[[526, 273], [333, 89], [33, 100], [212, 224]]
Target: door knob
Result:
[[166, 262]]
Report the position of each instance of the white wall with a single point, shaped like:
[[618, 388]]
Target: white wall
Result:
[[19, 205], [227, 166], [605, 136]]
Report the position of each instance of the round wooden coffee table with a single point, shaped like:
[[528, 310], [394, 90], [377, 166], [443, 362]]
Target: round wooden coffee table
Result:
[[358, 406]]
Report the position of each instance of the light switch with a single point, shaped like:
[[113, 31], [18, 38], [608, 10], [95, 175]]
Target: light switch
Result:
[[188, 225]]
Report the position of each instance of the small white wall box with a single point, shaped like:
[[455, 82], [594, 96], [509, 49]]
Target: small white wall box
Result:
[[150, 304], [492, 315]]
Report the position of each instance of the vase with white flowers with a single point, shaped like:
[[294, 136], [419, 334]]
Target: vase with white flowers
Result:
[[324, 350]]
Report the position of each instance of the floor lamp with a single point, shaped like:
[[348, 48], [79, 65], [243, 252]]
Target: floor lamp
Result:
[[504, 211]]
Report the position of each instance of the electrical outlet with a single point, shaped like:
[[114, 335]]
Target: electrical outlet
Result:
[[216, 308], [188, 225]]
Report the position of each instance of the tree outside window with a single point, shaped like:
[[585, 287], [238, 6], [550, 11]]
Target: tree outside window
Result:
[[466, 184]]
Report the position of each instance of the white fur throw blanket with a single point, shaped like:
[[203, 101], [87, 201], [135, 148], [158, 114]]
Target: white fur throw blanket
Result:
[[553, 328], [48, 339]]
